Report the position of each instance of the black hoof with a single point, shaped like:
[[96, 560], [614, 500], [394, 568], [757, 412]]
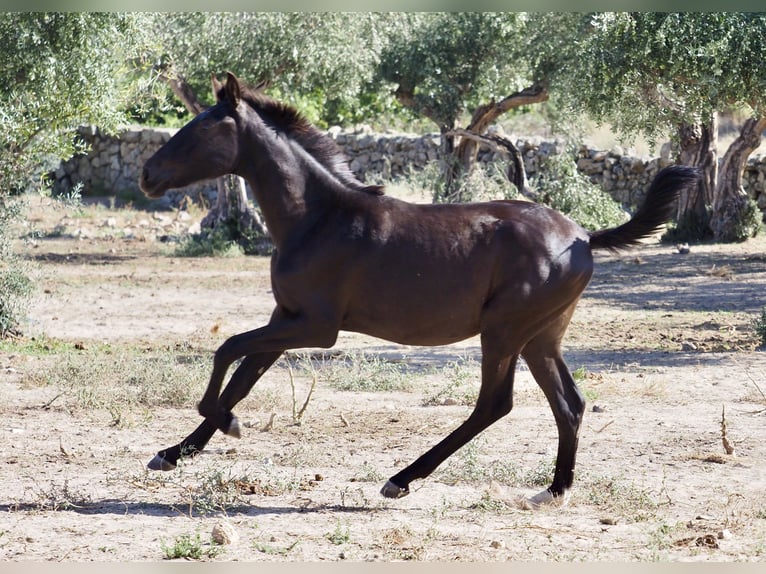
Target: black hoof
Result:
[[391, 490], [160, 463]]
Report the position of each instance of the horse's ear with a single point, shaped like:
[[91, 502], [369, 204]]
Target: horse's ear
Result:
[[232, 89], [217, 87]]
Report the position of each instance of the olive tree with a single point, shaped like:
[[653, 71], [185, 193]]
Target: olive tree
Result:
[[652, 72], [451, 65], [57, 72], [322, 61]]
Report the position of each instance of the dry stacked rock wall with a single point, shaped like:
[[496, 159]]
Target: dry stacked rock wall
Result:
[[114, 163]]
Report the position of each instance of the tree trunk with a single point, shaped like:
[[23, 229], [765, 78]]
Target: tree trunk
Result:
[[734, 217], [459, 160], [699, 148], [232, 209], [486, 114], [517, 174], [450, 168], [231, 206]]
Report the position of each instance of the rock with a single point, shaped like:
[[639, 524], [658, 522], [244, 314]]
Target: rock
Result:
[[724, 534], [224, 533]]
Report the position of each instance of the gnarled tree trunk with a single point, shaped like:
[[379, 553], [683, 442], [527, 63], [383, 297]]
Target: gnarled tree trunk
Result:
[[698, 148], [458, 160], [734, 218]]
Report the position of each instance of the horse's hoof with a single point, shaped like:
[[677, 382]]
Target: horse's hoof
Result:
[[234, 429], [160, 463], [390, 490], [544, 499]]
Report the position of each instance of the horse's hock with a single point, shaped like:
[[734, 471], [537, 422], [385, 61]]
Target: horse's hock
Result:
[[113, 165]]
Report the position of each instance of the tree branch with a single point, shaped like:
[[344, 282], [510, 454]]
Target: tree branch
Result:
[[485, 114], [183, 92], [516, 172]]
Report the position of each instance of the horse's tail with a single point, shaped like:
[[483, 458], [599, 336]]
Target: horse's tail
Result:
[[657, 209]]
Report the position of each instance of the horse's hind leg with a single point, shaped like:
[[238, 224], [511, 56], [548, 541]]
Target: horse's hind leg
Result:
[[543, 356], [495, 401], [240, 384]]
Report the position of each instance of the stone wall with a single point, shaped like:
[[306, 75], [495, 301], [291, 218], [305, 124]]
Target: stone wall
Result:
[[114, 163]]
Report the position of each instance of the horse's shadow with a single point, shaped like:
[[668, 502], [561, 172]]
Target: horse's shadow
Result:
[[112, 506]]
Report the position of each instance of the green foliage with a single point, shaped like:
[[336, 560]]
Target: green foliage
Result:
[[366, 373], [189, 547], [15, 285], [759, 325], [59, 70], [560, 186], [322, 61], [450, 61], [226, 240], [340, 535], [482, 183]]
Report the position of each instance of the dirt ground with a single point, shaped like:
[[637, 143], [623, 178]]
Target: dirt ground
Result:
[[663, 343]]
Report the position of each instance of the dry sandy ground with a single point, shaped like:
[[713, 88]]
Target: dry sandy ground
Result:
[[664, 343]]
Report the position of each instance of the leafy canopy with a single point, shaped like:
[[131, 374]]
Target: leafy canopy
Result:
[[648, 72], [449, 62], [58, 71]]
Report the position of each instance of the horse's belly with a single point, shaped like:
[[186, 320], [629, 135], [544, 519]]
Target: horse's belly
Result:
[[416, 321]]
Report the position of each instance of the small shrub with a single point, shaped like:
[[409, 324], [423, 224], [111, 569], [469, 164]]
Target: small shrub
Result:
[[213, 243], [190, 547], [15, 286], [559, 185], [759, 324], [340, 535]]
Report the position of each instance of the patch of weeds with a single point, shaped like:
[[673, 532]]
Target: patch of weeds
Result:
[[462, 386], [541, 475], [340, 535], [618, 496], [661, 538], [124, 380], [217, 490], [274, 550], [38, 346], [190, 547], [368, 473], [213, 243], [759, 325], [488, 503], [367, 373], [464, 466], [353, 498], [581, 376], [60, 497]]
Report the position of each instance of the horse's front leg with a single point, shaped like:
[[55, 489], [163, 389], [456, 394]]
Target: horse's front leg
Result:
[[242, 381], [282, 333]]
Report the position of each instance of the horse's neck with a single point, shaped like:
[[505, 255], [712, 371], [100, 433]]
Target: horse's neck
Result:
[[286, 190]]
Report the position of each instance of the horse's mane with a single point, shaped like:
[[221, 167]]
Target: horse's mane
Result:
[[288, 120]]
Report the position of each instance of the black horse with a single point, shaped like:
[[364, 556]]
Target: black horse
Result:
[[349, 258]]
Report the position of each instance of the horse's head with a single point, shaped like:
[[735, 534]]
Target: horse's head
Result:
[[205, 148]]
